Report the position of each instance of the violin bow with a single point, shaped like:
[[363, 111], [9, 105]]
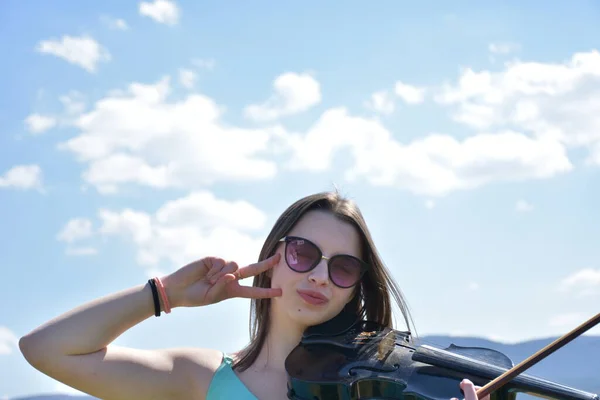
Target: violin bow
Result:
[[537, 357]]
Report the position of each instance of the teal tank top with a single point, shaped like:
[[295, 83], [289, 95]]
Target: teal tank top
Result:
[[225, 384]]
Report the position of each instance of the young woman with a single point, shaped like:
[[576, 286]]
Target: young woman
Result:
[[318, 259]]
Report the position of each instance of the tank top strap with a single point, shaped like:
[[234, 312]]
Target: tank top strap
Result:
[[225, 384]]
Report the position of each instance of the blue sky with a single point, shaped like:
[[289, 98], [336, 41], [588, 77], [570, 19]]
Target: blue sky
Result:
[[139, 136]]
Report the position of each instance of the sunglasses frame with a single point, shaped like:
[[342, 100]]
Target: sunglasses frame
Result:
[[363, 265]]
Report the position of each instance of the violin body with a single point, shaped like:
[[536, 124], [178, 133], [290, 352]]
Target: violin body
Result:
[[350, 359]]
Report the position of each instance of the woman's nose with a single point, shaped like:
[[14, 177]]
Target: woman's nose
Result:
[[320, 274]]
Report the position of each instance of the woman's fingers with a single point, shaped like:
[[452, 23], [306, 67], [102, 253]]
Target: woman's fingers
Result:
[[470, 391], [216, 265], [219, 286], [222, 273], [259, 267], [253, 292], [220, 268], [227, 268]]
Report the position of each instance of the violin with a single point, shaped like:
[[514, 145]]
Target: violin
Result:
[[347, 358]]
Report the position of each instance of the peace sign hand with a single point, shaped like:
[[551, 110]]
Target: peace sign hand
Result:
[[211, 280]]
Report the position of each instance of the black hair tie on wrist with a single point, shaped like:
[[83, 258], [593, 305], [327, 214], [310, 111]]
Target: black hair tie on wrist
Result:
[[155, 297]]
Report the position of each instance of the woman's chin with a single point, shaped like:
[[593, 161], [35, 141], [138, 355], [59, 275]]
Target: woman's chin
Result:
[[310, 317]]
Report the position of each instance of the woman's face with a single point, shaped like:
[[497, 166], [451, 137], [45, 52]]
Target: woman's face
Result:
[[332, 237]]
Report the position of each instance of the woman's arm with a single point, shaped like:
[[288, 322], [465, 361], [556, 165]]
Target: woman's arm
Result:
[[74, 349]]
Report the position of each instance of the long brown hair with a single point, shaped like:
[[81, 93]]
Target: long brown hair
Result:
[[372, 299]]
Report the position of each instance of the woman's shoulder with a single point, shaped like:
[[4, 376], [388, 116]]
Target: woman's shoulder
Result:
[[199, 364], [199, 357]]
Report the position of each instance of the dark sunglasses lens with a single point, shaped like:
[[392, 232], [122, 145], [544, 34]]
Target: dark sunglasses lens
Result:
[[301, 255], [345, 271]]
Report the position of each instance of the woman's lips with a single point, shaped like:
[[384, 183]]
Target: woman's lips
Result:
[[312, 297]]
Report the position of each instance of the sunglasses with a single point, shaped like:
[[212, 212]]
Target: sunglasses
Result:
[[302, 255]]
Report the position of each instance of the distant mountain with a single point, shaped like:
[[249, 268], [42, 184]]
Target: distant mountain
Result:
[[577, 364]]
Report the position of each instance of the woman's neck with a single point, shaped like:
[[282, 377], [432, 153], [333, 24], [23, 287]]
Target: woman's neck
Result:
[[282, 338]]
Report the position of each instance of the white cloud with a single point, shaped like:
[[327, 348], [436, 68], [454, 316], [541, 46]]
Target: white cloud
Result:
[[22, 177], [161, 11], [83, 51], [75, 230], [130, 223], [429, 204], [141, 137], [433, 165], [584, 282], [189, 228], [523, 206], [8, 341], [594, 157], [208, 63], [381, 102], [114, 23], [119, 169], [73, 102], [37, 123], [187, 78], [569, 320], [503, 47], [294, 93], [206, 211], [409, 93], [558, 101]]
